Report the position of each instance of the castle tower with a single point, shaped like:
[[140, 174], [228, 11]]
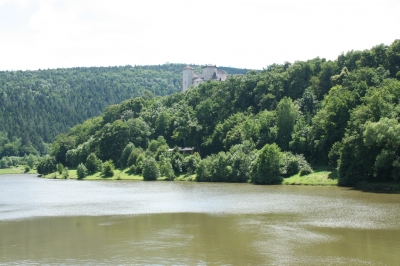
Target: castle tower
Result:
[[187, 78], [208, 71]]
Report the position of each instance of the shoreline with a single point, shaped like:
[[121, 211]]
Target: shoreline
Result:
[[322, 176]]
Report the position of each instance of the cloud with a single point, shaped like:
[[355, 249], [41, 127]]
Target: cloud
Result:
[[253, 34]]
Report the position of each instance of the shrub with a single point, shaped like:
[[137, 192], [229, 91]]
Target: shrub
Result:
[[123, 160], [81, 171], [150, 169], [203, 170], [190, 163], [266, 168], [27, 169], [166, 169], [46, 166], [65, 173], [60, 168], [93, 164], [3, 163], [306, 170], [108, 168], [134, 155], [291, 164]]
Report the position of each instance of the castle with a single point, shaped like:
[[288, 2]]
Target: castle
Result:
[[210, 72]]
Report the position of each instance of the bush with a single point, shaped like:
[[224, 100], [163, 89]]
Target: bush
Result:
[[3, 163], [65, 173], [306, 170], [134, 155], [291, 164], [266, 168], [81, 171], [203, 170], [150, 169], [60, 168], [27, 169], [108, 168], [123, 160], [46, 166], [166, 169], [190, 163], [93, 164]]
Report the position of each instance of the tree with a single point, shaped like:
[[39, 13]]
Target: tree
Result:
[[60, 147], [286, 115], [60, 168], [190, 163], [107, 168], [47, 165], [150, 169], [123, 160], [81, 171], [93, 164], [266, 168]]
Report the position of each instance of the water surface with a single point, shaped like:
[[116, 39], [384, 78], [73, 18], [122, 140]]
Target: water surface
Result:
[[57, 222]]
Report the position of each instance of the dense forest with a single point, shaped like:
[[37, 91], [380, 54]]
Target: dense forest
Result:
[[35, 106], [259, 126]]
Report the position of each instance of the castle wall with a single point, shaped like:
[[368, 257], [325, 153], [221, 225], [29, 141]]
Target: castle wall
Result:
[[208, 72], [187, 78]]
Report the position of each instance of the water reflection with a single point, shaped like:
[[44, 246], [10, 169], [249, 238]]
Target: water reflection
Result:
[[163, 223]]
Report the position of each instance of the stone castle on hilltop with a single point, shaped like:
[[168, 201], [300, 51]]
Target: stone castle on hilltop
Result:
[[210, 72]]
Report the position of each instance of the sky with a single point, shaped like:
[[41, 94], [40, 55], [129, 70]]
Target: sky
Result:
[[42, 34]]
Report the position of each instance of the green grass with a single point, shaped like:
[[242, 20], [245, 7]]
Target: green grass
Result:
[[118, 175], [322, 176], [16, 170]]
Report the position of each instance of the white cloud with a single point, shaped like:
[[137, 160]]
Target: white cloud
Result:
[[253, 34]]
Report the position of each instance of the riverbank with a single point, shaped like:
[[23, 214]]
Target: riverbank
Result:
[[118, 175], [322, 176], [16, 170]]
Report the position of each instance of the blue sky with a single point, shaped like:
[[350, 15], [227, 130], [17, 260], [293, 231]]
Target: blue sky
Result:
[[249, 34]]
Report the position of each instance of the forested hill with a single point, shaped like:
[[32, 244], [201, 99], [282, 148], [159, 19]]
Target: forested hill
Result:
[[35, 106], [344, 112]]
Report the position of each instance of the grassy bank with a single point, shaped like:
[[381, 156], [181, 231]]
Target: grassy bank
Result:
[[322, 176], [118, 175], [16, 170]]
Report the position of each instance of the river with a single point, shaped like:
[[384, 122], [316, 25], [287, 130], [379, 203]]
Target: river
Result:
[[69, 222]]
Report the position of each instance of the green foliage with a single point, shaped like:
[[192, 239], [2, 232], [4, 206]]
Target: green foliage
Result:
[[134, 155], [65, 173], [108, 168], [306, 170], [31, 160], [343, 112], [81, 171], [3, 163], [266, 168], [123, 160], [93, 164], [150, 169], [60, 168], [27, 169], [47, 165], [190, 163], [286, 115], [166, 169]]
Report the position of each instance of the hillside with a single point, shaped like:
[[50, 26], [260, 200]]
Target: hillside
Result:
[[35, 106], [259, 126]]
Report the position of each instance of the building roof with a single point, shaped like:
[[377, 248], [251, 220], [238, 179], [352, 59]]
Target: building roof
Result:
[[209, 65], [188, 67], [221, 72]]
